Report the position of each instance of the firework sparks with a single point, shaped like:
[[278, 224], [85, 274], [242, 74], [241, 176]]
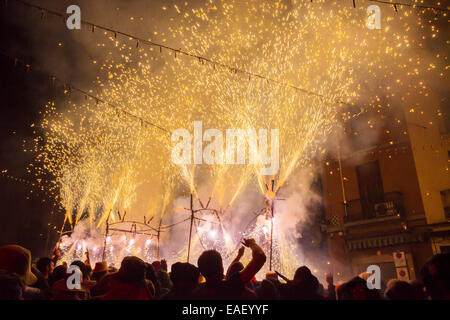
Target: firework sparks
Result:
[[104, 161]]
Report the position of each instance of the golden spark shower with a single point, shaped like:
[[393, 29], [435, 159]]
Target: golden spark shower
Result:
[[309, 68]]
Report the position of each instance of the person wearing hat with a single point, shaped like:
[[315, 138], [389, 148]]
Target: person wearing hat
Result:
[[44, 268], [60, 291], [185, 278], [86, 271], [163, 277], [17, 260], [129, 282], [63, 276], [100, 269], [11, 286]]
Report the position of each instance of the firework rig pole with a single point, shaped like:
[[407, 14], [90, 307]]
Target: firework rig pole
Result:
[[271, 230], [61, 232], [56, 254], [157, 238], [106, 237], [271, 243], [190, 231], [344, 198]]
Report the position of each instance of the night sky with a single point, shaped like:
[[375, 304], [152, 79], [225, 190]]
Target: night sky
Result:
[[24, 215], [27, 214]]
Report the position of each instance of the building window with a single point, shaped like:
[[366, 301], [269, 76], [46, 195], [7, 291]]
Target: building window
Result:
[[370, 187]]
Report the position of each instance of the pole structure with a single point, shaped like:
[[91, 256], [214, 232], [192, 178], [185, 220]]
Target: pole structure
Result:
[[106, 237], [61, 231], [271, 243], [158, 237], [344, 199], [271, 228], [190, 231]]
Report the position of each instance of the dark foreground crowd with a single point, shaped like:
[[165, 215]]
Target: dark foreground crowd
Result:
[[138, 280]]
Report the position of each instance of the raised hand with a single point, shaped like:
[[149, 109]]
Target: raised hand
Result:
[[249, 242]]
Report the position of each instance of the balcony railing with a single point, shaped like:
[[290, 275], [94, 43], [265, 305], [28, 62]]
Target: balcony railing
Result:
[[392, 205]]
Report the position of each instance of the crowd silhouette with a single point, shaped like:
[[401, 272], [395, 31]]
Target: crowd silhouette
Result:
[[20, 279]]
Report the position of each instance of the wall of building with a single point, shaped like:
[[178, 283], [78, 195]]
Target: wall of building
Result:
[[398, 172], [431, 159]]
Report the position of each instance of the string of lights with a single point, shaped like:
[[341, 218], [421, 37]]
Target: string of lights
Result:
[[201, 59], [395, 5], [175, 51], [68, 87], [36, 186], [5, 174]]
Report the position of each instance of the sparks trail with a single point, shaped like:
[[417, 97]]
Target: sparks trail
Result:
[[201, 59], [104, 163]]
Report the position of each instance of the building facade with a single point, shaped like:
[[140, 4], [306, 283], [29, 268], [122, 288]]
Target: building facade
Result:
[[387, 194]]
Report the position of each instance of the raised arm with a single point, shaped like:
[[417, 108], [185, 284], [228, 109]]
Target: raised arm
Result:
[[258, 260], [88, 259], [238, 257], [56, 255]]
